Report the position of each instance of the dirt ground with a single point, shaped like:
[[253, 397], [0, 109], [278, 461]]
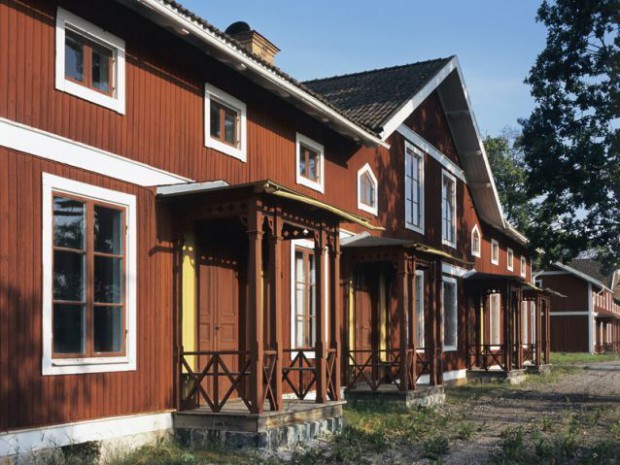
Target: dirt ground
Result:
[[574, 397]]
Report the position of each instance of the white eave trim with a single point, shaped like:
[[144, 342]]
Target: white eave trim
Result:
[[190, 188], [581, 275], [246, 62]]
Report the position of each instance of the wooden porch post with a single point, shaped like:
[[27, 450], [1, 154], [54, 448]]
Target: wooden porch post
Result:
[[518, 332], [403, 302], [320, 343], [538, 320], [255, 306], [507, 301], [275, 299], [439, 321], [547, 335], [413, 325], [336, 315], [178, 242]]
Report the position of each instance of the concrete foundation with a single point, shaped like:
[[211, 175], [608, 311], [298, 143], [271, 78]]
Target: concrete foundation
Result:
[[423, 396], [496, 376], [538, 369]]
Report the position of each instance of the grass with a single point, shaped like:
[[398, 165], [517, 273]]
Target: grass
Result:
[[569, 358]]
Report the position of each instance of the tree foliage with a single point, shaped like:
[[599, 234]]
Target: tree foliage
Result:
[[506, 160], [571, 141]]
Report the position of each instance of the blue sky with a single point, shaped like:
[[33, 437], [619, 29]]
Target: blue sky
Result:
[[496, 41]]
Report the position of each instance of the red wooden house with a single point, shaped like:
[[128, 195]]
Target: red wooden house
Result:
[[588, 319], [192, 239]]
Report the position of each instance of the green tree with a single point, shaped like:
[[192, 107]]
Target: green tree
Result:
[[506, 160], [571, 141]]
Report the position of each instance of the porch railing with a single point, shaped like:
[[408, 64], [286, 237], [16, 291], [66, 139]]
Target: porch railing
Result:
[[486, 356], [529, 353], [377, 367], [300, 374], [216, 382], [423, 364]]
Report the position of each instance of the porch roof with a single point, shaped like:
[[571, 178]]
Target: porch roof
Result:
[[261, 187], [479, 277]]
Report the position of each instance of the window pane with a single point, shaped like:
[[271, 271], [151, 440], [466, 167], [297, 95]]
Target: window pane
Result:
[[230, 126], [102, 63], [216, 131], [108, 230], [74, 56], [69, 329], [69, 223], [108, 327], [68, 276], [300, 339], [108, 280]]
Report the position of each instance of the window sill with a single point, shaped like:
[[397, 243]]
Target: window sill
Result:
[[418, 229], [73, 366], [495, 263], [77, 90], [226, 149], [449, 244], [368, 209], [317, 186], [450, 349]]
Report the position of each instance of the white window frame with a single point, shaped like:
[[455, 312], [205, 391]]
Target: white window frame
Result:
[[416, 152], [116, 101], [510, 258], [495, 313], [525, 327], [314, 145], [239, 152], [420, 298], [523, 266], [361, 205], [454, 310], [309, 244], [53, 185], [476, 237], [494, 252], [446, 174]]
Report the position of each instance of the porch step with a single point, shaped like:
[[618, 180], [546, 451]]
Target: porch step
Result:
[[496, 376], [423, 396]]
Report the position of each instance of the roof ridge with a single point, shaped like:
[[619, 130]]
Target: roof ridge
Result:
[[375, 70]]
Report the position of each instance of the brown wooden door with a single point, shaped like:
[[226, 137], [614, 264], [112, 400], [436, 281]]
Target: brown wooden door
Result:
[[218, 312]]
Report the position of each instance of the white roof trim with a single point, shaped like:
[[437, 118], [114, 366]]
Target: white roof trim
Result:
[[579, 274], [190, 188], [244, 62]]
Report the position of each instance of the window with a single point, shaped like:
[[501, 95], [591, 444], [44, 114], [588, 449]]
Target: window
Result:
[[494, 252], [475, 242], [367, 190], [89, 278], [449, 314], [419, 310], [90, 62], [523, 267], [310, 164], [533, 322], [305, 298], [510, 256], [494, 319], [414, 188], [525, 335], [225, 123], [448, 209]]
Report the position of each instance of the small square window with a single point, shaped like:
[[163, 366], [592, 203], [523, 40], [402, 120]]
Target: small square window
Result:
[[367, 190], [225, 125], [510, 257], [90, 62], [494, 252], [310, 163]]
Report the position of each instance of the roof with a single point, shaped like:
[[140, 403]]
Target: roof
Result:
[[371, 97], [591, 268], [577, 273], [177, 19]]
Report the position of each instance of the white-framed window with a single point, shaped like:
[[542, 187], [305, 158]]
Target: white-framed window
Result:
[[494, 252], [510, 258], [523, 266], [419, 310], [449, 317], [525, 326], [448, 209], [89, 278], [494, 319], [367, 197], [310, 163], [90, 62], [304, 305], [533, 322], [476, 242], [225, 123], [414, 188]]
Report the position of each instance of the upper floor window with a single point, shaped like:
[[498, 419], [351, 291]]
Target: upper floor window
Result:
[[90, 62], [476, 241], [450, 313], [494, 252], [414, 188], [310, 163], [523, 267], [225, 123], [510, 257], [367, 190], [448, 209], [89, 278]]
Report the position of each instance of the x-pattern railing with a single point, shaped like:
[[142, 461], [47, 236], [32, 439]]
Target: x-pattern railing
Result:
[[331, 374], [529, 353], [485, 356], [374, 369], [300, 375], [270, 359], [423, 364], [214, 369]]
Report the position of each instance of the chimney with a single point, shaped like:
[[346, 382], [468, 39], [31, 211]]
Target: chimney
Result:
[[252, 41]]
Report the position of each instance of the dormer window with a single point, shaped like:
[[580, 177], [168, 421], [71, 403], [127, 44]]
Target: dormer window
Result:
[[494, 252], [523, 267], [225, 125], [90, 62], [367, 190], [510, 257], [475, 242], [310, 163]]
